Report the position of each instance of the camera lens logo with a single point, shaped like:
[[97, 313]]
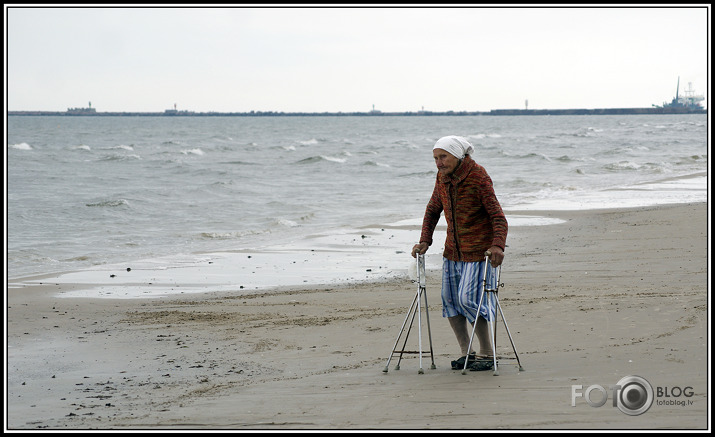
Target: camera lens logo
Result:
[[635, 396]]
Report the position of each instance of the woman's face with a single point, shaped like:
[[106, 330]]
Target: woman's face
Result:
[[446, 162]]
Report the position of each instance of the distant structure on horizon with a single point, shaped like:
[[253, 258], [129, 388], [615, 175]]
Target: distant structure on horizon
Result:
[[176, 111], [82, 111], [688, 100]]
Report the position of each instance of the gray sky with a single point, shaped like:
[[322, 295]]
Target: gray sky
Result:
[[348, 59]]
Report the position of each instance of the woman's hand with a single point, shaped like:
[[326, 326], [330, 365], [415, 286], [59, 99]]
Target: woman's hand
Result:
[[496, 255], [420, 248]]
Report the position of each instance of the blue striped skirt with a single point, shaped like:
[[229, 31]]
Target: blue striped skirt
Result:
[[462, 289]]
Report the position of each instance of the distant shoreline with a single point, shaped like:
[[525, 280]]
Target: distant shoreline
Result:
[[493, 112]]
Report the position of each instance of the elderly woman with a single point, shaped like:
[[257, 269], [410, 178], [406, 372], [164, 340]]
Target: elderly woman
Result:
[[475, 224]]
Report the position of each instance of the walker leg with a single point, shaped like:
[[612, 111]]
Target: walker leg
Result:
[[419, 327], [471, 337], [429, 333], [397, 340], [407, 335], [492, 336], [521, 369]]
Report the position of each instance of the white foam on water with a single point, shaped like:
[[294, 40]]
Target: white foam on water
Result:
[[681, 190]]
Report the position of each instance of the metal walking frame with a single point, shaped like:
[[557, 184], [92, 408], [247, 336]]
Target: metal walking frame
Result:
[[490, 292], [415, 310]]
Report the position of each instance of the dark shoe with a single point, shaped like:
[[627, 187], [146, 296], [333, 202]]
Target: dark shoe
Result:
[[481, 364], [458, 364]]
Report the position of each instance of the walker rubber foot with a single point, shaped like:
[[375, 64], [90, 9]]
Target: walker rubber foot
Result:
[[420, 371], [385, 370]]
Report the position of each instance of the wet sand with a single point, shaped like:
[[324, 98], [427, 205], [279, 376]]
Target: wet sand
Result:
[[605, 295]]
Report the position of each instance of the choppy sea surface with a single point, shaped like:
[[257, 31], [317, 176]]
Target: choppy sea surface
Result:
[[91, 194]]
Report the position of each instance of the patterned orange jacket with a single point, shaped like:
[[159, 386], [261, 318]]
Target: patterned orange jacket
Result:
[[475, 220]]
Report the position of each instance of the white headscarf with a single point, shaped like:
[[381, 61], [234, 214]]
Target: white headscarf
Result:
[[455, 145]]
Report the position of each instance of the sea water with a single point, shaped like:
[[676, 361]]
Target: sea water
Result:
[[183, 204]]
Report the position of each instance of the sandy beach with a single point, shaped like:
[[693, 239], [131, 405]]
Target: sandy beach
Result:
[[604, 295]]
